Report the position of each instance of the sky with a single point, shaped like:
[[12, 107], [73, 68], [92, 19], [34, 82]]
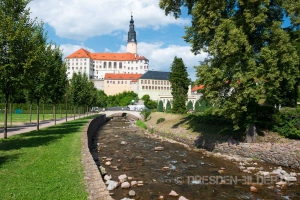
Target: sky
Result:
[[102, 26]]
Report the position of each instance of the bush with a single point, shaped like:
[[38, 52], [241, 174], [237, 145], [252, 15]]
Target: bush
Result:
[[189, 106], [168, 107], [160, 106], [160, 120], [141, 124], [146, 114], [288, 122]]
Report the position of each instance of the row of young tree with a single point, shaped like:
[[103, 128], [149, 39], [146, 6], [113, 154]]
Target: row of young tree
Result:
[[28, 63], [31, 66], [200, 106]]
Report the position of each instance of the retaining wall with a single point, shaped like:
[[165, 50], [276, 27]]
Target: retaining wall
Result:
[[93, 179]]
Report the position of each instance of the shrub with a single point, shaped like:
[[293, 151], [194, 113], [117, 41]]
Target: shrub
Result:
[[141, 124], [160, 106], [160, 120], [288, 122], [189, 106], [168, 107], [146, 114], [197, 106]]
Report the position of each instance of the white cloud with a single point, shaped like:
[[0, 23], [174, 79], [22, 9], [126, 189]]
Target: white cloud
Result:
[[68, 49], [161, 58], [79, 20]]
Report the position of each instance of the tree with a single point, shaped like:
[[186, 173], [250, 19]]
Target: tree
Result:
[[160, 106], [197, 106], [148, 102], [249, 53], [189, 106], [180, 85], [101, 99], [16, 33], [35, 76], [56, 77], [168, 107]]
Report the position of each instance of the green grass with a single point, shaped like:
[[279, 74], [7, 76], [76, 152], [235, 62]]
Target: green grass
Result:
[[26, 117], [141, 124], [44, 164]]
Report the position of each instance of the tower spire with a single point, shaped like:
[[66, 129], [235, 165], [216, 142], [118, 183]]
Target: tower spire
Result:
[[131, 42]]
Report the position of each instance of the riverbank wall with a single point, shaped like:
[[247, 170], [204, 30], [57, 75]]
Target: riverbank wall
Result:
[[92, 176]]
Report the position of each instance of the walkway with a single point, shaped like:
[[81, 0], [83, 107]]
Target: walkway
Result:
[[27, 127]]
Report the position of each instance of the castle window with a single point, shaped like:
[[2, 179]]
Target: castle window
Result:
[[109, 65], [115, 65], [120, 65], [141, 81]]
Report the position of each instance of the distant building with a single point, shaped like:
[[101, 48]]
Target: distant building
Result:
[[157, 85], [118, 83], [96, 65]]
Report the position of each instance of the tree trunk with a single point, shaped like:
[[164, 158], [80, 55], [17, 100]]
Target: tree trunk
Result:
[[54, 112], [30, 112], [60, 111], [74, 111], [10, 108], [43, 110], [66, 110], [5, 116], [38, 114], [251, 134]]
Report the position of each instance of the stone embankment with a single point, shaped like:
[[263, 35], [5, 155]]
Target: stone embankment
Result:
[[93, 179], [284, 154]]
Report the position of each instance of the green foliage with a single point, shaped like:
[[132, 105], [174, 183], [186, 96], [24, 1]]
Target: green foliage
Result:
[[189, 106], [203, 105], [149, 103], [180, 85], [121, 99], [160, 106], [146, 97], [141, 124], [151, 130], [146, 114], [249, 52], [288, 123], [160, 120], [197, 106], [101, 99], [168, 107]]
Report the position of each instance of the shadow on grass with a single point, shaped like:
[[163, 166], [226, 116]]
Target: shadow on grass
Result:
[[42, 137], [212, 130]]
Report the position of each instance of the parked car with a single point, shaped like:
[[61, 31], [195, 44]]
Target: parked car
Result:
[[94, 109]]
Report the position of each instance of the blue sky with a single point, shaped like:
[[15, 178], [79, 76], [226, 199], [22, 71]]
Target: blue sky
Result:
[[102, 26]]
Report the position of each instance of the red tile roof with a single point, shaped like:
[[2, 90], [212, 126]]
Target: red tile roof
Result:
[[112, 76], [82, 53], [197, 87]]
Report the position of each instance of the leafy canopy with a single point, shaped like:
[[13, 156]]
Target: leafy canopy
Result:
[[249, 52]]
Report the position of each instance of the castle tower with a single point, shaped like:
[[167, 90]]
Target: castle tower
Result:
[[131, 42]]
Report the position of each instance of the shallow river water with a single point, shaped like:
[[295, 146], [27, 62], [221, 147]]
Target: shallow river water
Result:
[[189, 173]]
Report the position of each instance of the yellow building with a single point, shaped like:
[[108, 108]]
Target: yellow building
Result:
[[118, 83]]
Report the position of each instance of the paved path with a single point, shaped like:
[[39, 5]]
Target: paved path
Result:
[[27, 127]]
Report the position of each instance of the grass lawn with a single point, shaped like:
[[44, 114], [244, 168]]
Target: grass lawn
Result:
[[44, 164], [26, 117]]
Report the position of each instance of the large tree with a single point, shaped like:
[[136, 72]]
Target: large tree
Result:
[[16, 33], [249, 53], [180, 85]]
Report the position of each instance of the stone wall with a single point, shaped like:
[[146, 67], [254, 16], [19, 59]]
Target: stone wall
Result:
[[93, 179], [283, 154]]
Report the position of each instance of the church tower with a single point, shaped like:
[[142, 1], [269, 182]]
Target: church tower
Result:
[[131, 42]]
